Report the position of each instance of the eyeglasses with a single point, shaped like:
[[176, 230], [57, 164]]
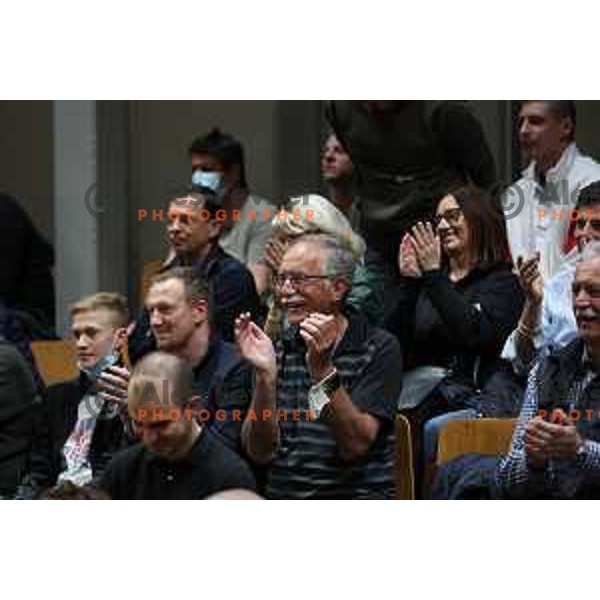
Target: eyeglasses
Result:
[[297, 280], [452, 216]]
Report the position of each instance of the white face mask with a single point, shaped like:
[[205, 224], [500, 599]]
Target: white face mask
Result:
[[208, 179]]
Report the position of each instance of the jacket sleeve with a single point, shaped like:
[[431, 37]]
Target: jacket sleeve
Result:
[[401, 322], [18, 403], [482, 323], [44, 466], [141, 341], [233, 294]]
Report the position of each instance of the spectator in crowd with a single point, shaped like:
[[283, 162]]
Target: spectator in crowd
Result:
[[19, 402], [547, 321], [15, 328], [178, 458], [26, 261], [537, 206], [325, 394], [195, 243], [337, 172], [407, 154], [319, 215], [457, 303], [555, 451], [80, 431], [221, 155], [179, 311]]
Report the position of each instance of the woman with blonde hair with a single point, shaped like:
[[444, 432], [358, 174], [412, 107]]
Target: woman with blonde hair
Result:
[[316, 214]]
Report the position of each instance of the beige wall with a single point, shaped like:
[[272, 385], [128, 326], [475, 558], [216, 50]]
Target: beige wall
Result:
[[280, 139]]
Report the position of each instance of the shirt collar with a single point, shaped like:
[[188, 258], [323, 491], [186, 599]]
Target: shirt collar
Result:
[[587, 363], [559, 170]]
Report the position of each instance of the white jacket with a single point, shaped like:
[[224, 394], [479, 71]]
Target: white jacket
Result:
[[533, 216]]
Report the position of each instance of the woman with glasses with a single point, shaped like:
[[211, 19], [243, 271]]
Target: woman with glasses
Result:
[[457, 302]]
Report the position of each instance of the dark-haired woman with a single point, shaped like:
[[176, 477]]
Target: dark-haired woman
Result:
[[457, 303]]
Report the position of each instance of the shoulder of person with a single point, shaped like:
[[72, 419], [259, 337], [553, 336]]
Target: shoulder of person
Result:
[[222, 457], [229, 358], [127, 457], [362, 333], [226, 260], [586, 168], [497, 271], [9, 206]]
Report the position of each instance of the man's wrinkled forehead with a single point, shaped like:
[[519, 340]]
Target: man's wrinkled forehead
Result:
[[305, 256]]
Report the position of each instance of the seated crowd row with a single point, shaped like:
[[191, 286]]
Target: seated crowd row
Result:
[[274, 355]]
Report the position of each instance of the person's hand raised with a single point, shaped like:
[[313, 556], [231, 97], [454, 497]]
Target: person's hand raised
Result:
[[407, 258], [255, 345], [427, 247], [274, 251], [530, 278], [320, 332]]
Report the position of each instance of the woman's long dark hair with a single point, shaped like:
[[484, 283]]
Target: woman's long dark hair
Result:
[[487, 230]]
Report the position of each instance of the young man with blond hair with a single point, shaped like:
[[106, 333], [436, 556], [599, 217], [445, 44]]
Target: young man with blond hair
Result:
[[79, 431]]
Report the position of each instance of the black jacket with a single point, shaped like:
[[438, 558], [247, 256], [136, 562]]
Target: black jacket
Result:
[[461, 326], [56, 422], [232, 290], [19, 402]]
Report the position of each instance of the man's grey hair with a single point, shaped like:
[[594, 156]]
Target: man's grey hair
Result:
[[590, 251], [340, 259]]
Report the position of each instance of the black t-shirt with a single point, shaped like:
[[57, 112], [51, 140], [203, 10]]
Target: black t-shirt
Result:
[[137, 474]]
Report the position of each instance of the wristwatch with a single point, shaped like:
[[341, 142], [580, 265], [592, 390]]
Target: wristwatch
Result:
[[319, 394]]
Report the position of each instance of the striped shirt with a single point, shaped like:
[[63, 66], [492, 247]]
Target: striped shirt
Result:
[[307, 464]]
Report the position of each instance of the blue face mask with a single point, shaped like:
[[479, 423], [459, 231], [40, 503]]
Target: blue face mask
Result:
[[208, 179], [94, 372]]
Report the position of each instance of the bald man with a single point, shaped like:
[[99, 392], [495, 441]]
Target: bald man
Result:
[[178, 458]]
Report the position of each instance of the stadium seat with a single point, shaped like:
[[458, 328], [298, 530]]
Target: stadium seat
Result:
[[485, 436], [55, 360], [405, 477]]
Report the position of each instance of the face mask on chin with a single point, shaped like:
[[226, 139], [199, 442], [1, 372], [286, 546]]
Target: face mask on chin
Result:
[[94, 372]]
